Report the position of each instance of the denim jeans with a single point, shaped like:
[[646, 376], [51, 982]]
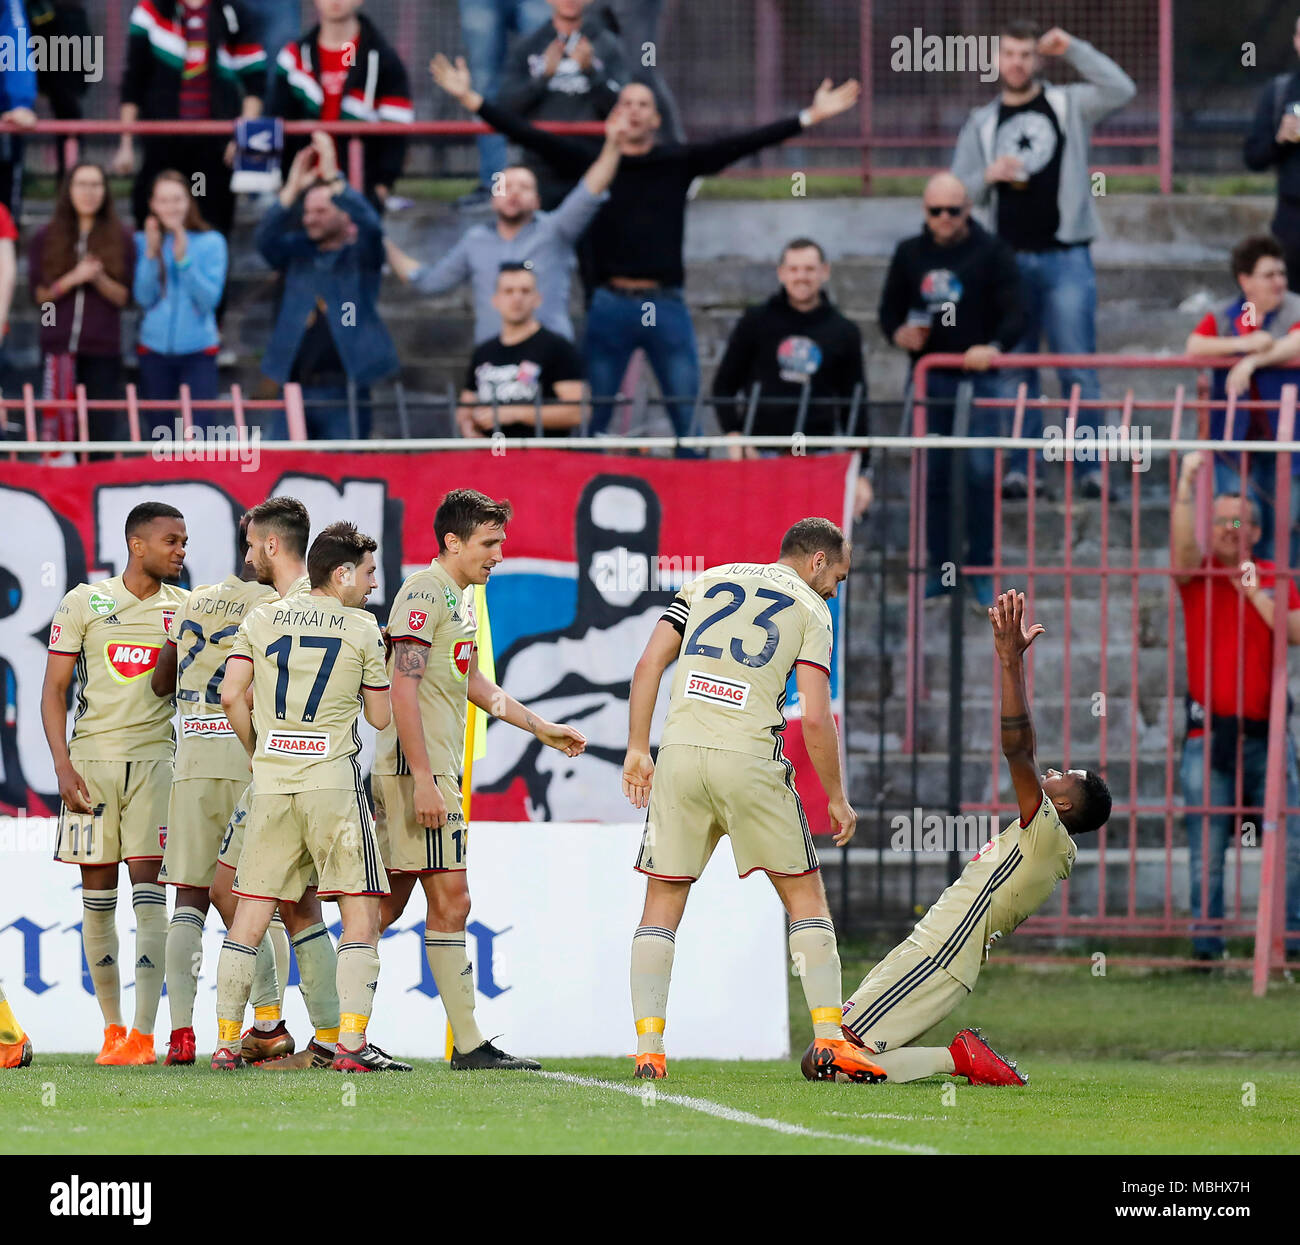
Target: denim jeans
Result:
[[326, 422], [941, 388], [1060, 293], [485, 26], [1213, 834], [161, 378], [276, 22], [617, 325], [1261, 472]]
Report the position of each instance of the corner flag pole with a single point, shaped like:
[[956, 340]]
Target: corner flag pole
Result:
[[475, 725]]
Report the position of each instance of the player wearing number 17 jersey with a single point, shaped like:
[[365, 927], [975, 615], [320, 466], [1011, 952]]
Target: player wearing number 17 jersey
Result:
[[737, 632], [313, 661]]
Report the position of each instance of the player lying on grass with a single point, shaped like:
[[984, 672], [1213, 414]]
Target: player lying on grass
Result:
[[936, 966], [15, 1045]]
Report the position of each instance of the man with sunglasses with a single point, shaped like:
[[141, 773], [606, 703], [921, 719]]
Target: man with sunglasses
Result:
[[1229, 681], [954, 288]]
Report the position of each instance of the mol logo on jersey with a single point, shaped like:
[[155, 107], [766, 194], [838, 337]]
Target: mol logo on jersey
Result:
[[416, 620], [128, 662], [461, 653], [289, 743], [717, 691]]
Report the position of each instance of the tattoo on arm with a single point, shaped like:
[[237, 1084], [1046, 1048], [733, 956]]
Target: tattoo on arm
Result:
[[1015, 723], [411, 660]]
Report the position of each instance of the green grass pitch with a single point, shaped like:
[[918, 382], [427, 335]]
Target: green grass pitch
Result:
[[1154, 1063]]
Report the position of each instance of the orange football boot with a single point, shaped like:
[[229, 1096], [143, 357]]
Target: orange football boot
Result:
[[650, 1067], [114, 1036], [135, 1050], [16, 1054], [833, 1059]]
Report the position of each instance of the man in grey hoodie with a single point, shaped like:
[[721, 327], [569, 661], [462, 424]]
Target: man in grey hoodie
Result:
[[1024, 157]]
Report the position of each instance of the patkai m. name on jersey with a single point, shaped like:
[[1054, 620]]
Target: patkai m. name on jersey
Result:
[[310, 617]]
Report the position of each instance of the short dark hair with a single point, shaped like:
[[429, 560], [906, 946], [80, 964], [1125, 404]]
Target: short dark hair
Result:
[[517, 265], [1093, 808], [1021, 28], [146, 512], [462, 510], [1249, 251], [337, 545], [802, 244], [814, 535], [242, 542], [287, 517]]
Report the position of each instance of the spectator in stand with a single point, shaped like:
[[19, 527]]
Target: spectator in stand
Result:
[[1274, 139], [81, 267], [180, 277], [797, 343], [570, 69], [636, 238], [328, 337], [17, 104], [63, 88], [1263, 325], [526, 374], [189, 60], [1229, 646], [343, 69], [1024, 156], [521, 233], [485, 27], [955, 289]]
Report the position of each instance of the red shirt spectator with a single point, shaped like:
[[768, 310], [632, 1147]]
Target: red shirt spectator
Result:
[[334, 66]]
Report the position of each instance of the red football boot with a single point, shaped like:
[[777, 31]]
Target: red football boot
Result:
[[980, 1064]]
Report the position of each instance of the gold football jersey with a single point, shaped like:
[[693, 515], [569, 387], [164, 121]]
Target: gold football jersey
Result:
[[203, 633], [311, 658], [116, 638], [1011, 878], [744, 628], [431, 610]]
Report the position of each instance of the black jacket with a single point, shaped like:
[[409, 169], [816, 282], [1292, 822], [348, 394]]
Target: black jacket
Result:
[[155, 51], [971, 289], [782, 348], [1260, 150], [376, 89]]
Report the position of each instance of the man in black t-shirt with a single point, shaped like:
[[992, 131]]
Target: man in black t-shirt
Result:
[[1024, 156], [527, 376]]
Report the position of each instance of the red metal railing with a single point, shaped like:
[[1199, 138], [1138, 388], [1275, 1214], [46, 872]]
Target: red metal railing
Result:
[[1186, 420]]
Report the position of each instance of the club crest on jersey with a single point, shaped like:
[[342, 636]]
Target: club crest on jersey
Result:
[[101, 603], [416, 619], [55, 632], [168, 615], [716, 690], [162, 837], [128, 662], [461, 652]]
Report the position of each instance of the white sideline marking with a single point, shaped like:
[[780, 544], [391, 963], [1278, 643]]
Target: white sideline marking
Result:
[[716, 1109]]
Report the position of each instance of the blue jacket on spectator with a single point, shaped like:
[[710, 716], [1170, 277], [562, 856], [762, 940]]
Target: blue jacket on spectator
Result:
[[17, 85], [349, 275], [180, 314]]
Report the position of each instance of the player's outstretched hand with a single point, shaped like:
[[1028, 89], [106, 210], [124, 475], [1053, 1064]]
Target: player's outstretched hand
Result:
[[567, 739], [1007, 615], [843, 818], [638, 774], [454, 78], [73, 790]]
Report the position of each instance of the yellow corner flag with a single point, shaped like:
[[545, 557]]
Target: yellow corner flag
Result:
[[476, 722]]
